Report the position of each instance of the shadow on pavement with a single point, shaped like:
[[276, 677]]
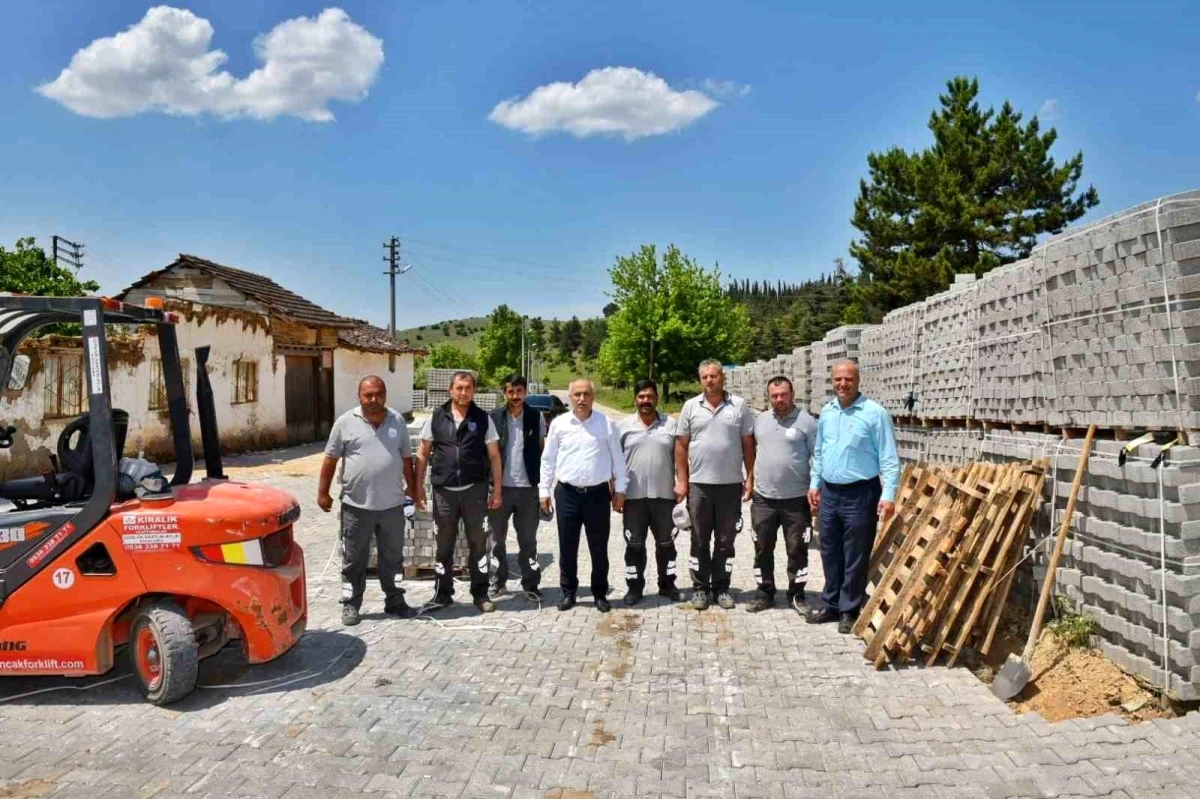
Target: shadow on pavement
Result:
[[321, 656]]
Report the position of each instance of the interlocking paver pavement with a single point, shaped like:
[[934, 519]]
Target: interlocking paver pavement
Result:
[[659, 701]]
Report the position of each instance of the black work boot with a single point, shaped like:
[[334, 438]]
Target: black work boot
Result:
[[399, 607]]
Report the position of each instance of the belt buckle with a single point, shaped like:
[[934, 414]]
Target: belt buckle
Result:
[[579, 489]]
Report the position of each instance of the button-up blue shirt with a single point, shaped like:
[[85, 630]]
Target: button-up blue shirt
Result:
[[856, 443]]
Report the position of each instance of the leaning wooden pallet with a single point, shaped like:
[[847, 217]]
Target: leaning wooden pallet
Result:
[[908, 571], [941, 569]]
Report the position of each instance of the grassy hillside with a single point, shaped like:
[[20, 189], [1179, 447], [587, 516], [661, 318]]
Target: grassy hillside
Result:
[[463, 333]]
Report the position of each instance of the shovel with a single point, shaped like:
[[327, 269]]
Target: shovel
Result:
[[1015, 672]]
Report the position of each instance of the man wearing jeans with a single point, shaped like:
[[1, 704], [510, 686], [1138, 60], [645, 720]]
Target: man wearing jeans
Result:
[[462, 441], [855, 475], [522, 434], [583, 453], [371, 441], [784, 441], [714, 440]]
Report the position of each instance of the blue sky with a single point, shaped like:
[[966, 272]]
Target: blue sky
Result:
[[745, 148]]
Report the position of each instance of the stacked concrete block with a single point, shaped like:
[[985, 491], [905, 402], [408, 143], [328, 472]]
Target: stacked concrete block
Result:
[[419, 398], [733, 380], [802, 374], [435, 398], [948, 338], [488, 400], [439, 379], [842, 344], [1112, 568], [1116, 358], [910, 443], [420, 534], [889, 357], [820, 388], [1010, 366]]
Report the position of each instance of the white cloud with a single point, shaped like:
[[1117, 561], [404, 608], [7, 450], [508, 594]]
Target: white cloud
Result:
[[612, 100], [724, 88], [1049, 111], [163, 63]]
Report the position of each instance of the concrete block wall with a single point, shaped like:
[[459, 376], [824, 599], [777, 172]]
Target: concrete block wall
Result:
[[948, 337], [889, 357]]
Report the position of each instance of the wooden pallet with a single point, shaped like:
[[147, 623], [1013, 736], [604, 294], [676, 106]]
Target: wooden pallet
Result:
[[942, 567], [427, 571]]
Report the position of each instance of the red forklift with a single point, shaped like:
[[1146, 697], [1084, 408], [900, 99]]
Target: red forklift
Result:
[[102, 553]]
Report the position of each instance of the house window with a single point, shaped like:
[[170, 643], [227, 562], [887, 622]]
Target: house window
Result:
[[158, 385], [65, 389], [245, 381]]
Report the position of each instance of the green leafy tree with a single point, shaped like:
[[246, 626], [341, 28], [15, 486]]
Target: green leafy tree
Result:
[[28, 270], [673, 314], [442, 356], [976, 199], [500, 344], [610, 309]]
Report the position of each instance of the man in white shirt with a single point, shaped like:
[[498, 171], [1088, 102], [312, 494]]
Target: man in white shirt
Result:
[[583, 452]]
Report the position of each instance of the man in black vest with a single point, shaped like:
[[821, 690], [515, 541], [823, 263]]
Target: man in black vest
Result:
[[464, 444], [522, 434]]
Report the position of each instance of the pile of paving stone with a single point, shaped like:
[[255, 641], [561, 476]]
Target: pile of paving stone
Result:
[[802, 373], [1127, 540], [1106, 284], [889, 358], [1011, 372], [948, 337], [1100, 325], [820, 387]]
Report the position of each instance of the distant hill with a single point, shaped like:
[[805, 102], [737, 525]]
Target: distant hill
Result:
[[463, 333]]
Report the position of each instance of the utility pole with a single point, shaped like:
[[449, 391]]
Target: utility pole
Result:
[[524, 362], [69, 251], [393, 261]]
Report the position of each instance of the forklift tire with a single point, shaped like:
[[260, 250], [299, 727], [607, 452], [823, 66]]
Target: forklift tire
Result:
[[163, 653]]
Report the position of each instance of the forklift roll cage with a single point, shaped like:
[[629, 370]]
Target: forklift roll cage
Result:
[[22, 315]]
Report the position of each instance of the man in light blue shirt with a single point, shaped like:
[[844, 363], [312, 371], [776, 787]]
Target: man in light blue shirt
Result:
[[855, 474]]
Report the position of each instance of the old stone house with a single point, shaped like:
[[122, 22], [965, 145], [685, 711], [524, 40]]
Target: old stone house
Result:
[[282, 367]]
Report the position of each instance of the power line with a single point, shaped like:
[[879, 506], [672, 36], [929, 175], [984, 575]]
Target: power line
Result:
[[498, 271], [479, 254]]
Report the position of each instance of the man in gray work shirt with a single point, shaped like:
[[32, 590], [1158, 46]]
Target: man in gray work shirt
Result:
[[648, 441], [784, 440], [522, 433], [371, 441], [714, 441]]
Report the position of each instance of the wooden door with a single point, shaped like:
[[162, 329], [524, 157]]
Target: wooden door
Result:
[[324, 398], [300, 406]]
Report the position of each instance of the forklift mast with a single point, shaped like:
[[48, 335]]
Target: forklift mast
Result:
[[22, 315]]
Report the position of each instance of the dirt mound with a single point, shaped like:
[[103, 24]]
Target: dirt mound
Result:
[[1067, 682]]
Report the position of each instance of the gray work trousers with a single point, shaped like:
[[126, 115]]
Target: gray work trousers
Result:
[[359, 525], [521, 504], [716, 511]]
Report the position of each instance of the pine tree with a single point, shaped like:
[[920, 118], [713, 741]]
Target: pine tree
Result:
[[976, 199]]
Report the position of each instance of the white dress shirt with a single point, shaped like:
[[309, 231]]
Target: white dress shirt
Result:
[[582, 453]]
